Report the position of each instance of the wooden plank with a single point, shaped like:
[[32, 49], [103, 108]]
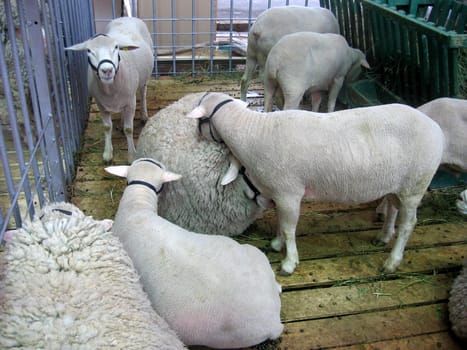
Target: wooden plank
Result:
[[359, 298], [432, 341], [381, 326], [325, 272]]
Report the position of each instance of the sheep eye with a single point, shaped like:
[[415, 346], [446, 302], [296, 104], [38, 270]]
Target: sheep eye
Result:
[[116, 47]]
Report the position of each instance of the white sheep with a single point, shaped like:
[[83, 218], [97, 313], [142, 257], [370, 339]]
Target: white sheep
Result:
[[457, 304], [120, 64], [350, 156], [309, 62], [272, 24], [198, 202], [67, 283], [451, 115], [210, 289]]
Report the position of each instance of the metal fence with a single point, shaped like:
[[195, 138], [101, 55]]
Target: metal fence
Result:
[[43, 92], [43, 102]]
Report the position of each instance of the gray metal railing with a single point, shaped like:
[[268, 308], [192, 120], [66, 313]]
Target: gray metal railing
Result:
[[43, 102]]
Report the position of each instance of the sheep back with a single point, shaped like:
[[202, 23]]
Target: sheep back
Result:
[[198, 202], [66, 281], [458, 304]]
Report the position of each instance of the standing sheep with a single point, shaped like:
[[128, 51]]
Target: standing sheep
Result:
[[352, 156], [120, 64], [458, 304], [211, 290], [67, 283], [309, 62], [273, 24], [451, 115], [198, 202]]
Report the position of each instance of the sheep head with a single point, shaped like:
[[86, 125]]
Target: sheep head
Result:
[[103, 55]]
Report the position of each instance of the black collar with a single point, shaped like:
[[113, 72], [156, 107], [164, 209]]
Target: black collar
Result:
[[147, 184], [208, 119], [250, 184]]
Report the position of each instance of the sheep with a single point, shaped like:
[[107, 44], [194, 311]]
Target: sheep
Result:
[[307, 61], [451, 115], [273, 24], [120, 63], [210, 289], [350, 156], [198, 202], [66, 282], [457, 304], [461, 203]]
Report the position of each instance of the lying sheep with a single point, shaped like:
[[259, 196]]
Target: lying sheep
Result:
[[66, 282], [211, 290], [458, 304], [451, 115], [309, 62], [120, 64], [351, 156], [198, 202], [273, 24]]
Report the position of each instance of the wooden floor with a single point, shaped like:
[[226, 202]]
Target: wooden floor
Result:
[[337, 298]]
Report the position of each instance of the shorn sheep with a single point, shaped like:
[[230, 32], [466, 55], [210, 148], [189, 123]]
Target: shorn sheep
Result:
[[272, 24], [457, 304], [210, 289], [120, 61], [198, 202], [67, 283], [309, 62], [351, 156]]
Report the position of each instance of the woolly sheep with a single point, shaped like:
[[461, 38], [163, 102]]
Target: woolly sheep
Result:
[[273, 24], [457, 304], [67, 282], [390, 150], [307, 61], [198, 202], [120, 64], [210, 289]]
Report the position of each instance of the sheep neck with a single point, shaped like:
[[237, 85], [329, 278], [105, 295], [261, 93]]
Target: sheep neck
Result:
[[139, 196], [208, 119]]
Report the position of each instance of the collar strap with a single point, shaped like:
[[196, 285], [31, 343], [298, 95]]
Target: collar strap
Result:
[[250, 184], [96, 69], [147, 184], [208, 119]]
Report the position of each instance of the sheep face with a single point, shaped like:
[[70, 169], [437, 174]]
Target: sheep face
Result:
[[103, 55]]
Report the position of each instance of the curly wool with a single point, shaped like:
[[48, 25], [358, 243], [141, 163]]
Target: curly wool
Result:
[[198, 202], [67, 283], [458, 304]]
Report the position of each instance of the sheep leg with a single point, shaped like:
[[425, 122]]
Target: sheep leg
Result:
[[407, 222], [292, 100], [389, 209], [245, 80], [144, 109], [288, 214], [316, 97], [108, 149], [270, 90], [128, 115], [333, 92]]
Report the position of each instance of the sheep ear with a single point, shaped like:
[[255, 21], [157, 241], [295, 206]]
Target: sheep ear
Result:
[[365, 63], [78, 47], [118, 170], [197, 113], [232, 172], [168, 176]]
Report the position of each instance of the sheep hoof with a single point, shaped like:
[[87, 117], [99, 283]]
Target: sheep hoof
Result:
[[287, 267], [389, 266]]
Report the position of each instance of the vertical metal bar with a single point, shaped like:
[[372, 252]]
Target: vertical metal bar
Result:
[[193, 40], [230, 34], [155, 37], [174, 37], [211, 37], [56, 181]]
